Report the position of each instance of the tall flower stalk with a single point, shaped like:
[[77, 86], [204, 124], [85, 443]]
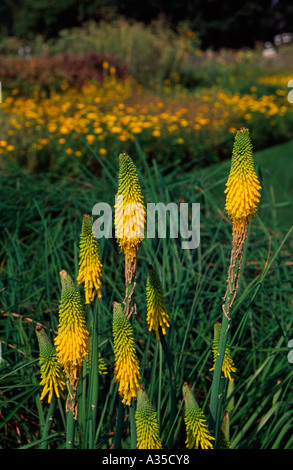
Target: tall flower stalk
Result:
[[129, 220], [242, 198], [129, 230]]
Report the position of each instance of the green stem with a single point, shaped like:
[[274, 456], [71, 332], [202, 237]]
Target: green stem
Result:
[[61, 410], [216, 398], [160, 385], [132, 425], [82, 402], [94, 379], [70, 428], [70, 416], [216, 395], [49, 418], [119, 425], [217, 389], [173, 409]]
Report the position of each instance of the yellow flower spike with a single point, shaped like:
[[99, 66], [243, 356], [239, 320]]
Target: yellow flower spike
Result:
[[157, 316], [129, 213], [242, 191], [242, 198], [72, 341], [147, 430], [90, 266], [126, 369], [228, 365], [53, 380], [197, 433]]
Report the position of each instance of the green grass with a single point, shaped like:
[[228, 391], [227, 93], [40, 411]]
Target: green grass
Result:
[[40, 224]]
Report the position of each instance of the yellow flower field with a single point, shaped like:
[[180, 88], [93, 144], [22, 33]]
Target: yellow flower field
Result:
[[108, 116]]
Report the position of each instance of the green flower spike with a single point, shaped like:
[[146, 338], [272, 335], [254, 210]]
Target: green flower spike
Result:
[[90, 266], [53, 380], [228, 365], [157, 316], [224, 437], [197, 433], [147, 429], [126, 369]]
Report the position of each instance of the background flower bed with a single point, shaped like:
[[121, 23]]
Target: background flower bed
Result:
[[44, 132], [85, 93]]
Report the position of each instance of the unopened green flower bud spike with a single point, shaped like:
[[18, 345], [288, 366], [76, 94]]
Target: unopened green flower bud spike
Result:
[[197, 434], [53, 380], [147, 429], [126, 368], [157, 316], [90, 266], [224, 437]]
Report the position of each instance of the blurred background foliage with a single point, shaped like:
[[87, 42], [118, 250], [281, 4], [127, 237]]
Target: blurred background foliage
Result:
[[218, 24], [179, 77]]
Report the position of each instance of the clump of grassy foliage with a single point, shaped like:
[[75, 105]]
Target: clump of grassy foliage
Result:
[[40, 235]]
